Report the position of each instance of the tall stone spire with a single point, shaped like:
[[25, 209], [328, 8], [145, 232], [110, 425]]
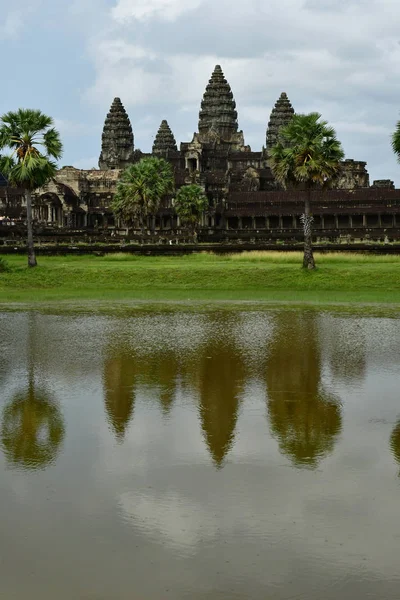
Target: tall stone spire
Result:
[[218, 114], [281, 114], [117, 139], [164, 140]]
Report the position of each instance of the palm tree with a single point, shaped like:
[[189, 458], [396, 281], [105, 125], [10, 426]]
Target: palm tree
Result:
[[141, 188], [24, 132], [307, 154], [396, 141], [7, 163], [190, 202]]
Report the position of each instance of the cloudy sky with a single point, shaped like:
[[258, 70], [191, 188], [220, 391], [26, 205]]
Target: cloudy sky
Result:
[[70, 58]]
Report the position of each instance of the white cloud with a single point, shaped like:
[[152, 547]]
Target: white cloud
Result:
[[13, 24], [143, 10]]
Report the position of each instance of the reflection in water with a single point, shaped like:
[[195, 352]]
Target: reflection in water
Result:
[[221, 381], [395, 443], [177, 391], [32, 425], [213, 372], [32, 429], [125, 369], [119, 377], [305, 419], [346, 351]]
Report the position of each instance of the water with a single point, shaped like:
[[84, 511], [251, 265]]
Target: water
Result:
[[251, 455]]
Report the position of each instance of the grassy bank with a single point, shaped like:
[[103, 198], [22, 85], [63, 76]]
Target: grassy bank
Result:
[[253, 276]]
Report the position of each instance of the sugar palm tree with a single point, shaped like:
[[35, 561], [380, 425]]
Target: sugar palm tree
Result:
[[190, 203], [34, 145], [396, 141], [141, 188], [307, 154]]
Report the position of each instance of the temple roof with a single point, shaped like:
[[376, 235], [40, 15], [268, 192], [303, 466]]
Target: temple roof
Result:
[[117, 139], [281, 114], [164, 139], [218, 108]]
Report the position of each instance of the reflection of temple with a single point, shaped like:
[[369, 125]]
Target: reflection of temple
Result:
[[304, 418], [214, 375], [119, 377], [126, 369], [221, 382], [244, 199]]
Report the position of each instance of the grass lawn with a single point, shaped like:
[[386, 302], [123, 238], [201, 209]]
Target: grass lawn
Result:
[[251, 276]]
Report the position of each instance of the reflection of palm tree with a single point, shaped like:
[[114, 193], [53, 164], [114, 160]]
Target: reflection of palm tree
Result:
[[32, 429], [32, 425], [221, 381], [304, 418], [395, 442], [119, 377]]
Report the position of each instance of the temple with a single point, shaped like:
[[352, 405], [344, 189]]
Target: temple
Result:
[[245, 201]]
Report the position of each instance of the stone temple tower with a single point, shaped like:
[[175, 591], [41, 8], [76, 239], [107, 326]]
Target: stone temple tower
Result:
[[218, 118], [117, 144], [164, 141], [281, 114]]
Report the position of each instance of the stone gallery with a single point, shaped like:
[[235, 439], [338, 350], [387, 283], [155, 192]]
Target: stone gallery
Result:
[[244, 199]]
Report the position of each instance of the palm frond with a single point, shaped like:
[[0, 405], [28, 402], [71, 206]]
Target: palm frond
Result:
[[52, 143], [307, 152]]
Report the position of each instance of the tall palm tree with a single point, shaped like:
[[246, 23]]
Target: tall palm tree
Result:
[[34, 144], [307, 154], [141, 188]]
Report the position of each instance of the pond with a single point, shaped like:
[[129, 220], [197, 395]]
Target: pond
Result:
[[210, 455]]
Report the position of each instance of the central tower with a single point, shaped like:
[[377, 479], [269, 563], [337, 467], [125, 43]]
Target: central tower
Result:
[[117, 139], [218, 118]]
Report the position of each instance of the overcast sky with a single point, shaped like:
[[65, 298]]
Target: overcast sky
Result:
[[70, 58]]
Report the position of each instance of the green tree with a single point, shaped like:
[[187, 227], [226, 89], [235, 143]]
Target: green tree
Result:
[[396, 141], [34, 143], [141, 188], [7, 163], [190, 202], [307, 154]]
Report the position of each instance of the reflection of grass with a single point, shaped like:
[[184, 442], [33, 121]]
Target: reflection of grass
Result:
[[256, 276]]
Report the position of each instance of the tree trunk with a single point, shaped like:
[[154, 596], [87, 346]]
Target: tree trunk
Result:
[[31, 250], [7, 201], [308, 260]]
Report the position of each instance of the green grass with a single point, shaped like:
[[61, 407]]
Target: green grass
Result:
[[251, 276]]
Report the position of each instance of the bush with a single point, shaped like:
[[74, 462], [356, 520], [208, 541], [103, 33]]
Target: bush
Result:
[[3, 265]]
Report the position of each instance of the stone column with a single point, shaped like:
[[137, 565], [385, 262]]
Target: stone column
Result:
[[240, 224]]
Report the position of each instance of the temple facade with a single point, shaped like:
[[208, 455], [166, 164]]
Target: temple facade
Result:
[[244, 198]]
